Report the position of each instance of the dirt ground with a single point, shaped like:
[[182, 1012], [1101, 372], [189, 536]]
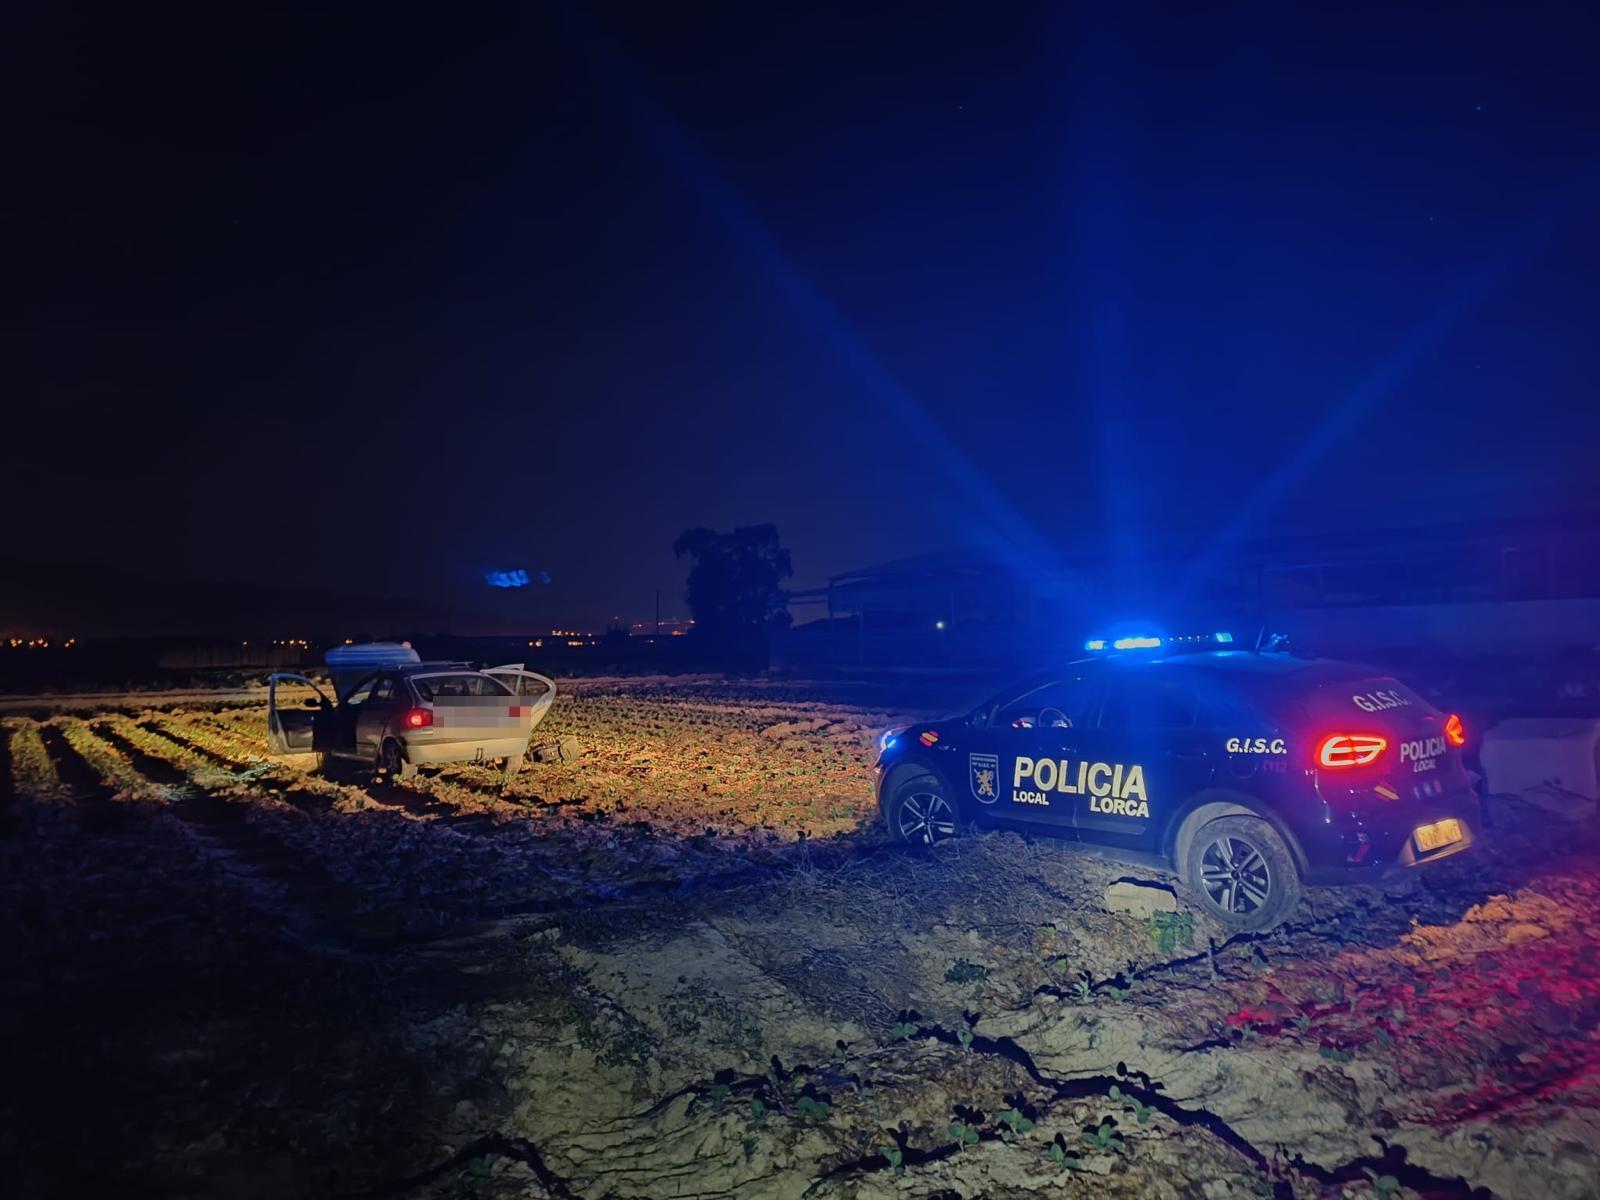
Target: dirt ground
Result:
[[687, 964]]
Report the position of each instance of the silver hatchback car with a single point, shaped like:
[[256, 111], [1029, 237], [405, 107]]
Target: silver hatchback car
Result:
[[396, 716]]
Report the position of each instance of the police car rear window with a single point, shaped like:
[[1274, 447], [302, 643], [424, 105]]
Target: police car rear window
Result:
[[1378, 698]]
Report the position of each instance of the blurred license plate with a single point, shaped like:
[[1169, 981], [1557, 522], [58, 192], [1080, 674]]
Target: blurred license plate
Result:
[[1440, 833]]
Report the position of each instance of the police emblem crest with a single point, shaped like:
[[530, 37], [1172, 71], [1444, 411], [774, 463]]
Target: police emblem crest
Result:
[[983, 772]]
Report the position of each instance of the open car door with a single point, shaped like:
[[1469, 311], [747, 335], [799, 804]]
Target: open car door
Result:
[[291, 724], [538, 692]]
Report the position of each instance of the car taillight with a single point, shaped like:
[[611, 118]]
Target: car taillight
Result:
[[1454, 731], [1350, 749], [419, 718]]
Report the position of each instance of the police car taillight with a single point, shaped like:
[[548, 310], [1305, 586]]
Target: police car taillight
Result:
[[1339, 750], [419, 718], [1454, 731]]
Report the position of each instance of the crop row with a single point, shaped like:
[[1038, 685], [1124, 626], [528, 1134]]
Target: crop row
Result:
[[33, 772], [114, 770]]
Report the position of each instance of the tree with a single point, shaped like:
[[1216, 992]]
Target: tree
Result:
[[733, 587]]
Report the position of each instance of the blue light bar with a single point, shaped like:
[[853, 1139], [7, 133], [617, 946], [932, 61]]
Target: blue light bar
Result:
[[1151, 641], [1136, 643]]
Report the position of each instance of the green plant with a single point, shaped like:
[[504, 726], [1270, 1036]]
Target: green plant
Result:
[[962, 971], [480, 1167], [1384, 1185], [720, 1091], [1057, 1153], [1015, 1122], [1302, 1022], [903, 1031], [758, 1111], [812, 1108], [1140, 1110], [1335, 1054], [964, 1036], [1081, 987], [1168, 929], [1104, 1138], [965, 1135], [895, 1157]]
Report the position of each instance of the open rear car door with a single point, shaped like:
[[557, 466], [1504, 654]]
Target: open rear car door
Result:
[[291, 724], [537, 692]]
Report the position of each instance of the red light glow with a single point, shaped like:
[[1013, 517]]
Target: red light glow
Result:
[[1340, 750]]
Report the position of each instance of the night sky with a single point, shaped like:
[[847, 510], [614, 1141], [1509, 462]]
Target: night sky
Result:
[[374, 300]]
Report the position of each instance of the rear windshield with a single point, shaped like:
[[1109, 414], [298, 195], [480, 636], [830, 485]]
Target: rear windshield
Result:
[[445, 687], [524, 685], [1378, 698]]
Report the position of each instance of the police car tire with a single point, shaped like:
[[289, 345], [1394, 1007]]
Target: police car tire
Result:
[[1283, 890], [921, 784]]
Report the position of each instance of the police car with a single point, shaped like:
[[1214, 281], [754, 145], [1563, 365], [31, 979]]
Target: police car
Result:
[[1251, 774]]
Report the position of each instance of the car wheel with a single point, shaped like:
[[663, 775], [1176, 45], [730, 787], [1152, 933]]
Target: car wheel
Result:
[[920, 813], [1239, 871], [392, 763]]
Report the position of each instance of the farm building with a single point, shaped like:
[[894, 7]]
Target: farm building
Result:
[[1530, 585]]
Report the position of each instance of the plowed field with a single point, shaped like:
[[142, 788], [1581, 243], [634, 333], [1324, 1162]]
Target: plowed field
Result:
[[688, 964]]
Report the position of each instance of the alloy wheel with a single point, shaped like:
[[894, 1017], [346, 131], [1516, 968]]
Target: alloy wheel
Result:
[[1235, 875], [926, 817]]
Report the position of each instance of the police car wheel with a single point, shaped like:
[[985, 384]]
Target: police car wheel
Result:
[[920, 813], [1241, 873]]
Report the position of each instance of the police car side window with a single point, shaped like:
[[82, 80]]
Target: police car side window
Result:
[[1148, 704], [1060, 704], [383, 693]]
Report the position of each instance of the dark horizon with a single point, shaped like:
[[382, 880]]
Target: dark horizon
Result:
[[330, 305]]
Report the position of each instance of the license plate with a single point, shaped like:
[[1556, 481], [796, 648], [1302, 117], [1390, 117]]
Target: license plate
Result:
[[1440, 833]]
